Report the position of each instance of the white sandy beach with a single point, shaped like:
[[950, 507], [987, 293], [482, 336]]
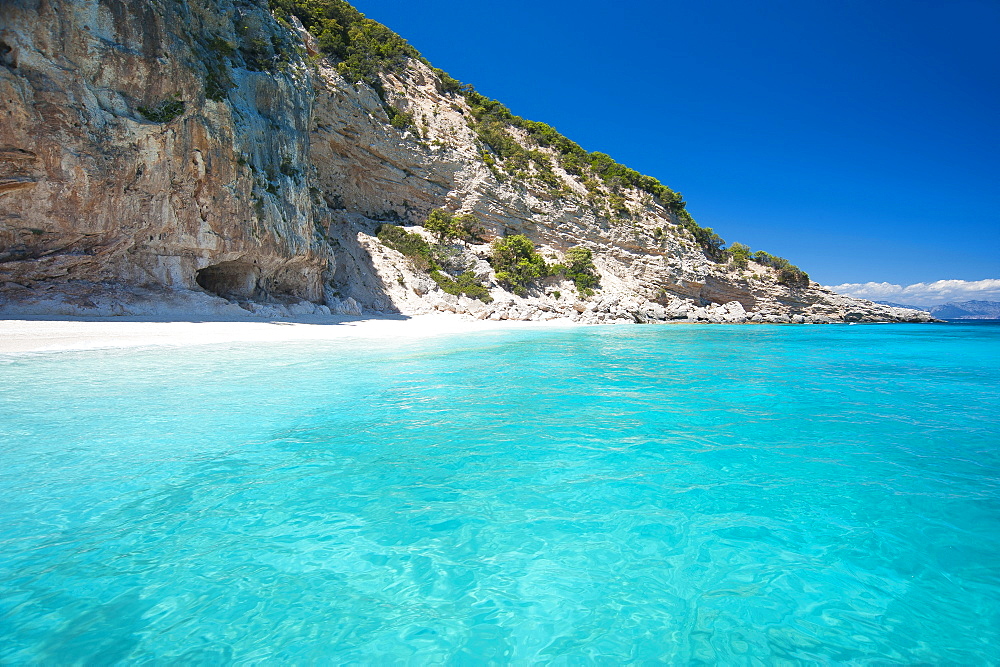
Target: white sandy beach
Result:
[[18, 336]]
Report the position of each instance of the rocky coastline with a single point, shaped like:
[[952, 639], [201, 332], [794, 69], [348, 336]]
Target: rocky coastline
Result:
[[207, 157]]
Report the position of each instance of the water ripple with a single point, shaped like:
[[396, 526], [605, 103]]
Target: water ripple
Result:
[[608, 495]]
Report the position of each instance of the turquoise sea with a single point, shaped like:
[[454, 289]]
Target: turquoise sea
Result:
[[606, 495]]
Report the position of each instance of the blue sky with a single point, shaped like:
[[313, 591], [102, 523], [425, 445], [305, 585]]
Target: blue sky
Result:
[[858, 139]]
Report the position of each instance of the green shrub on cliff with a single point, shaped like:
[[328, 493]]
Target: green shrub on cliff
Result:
[[470, 227], [705, 237], [411, 245], [739, 255], [465, 283], [575, 160], [788, 273], [216, 56], [516, 263], [446, 227], [441, 224], [364, 47], [218, 83], [426, 257], [398, 119], [579, 267], [164, 112], [793, 276], [581, 270]]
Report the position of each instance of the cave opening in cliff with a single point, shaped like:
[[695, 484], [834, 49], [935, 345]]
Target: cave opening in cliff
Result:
[[230, 280], [8, 57]]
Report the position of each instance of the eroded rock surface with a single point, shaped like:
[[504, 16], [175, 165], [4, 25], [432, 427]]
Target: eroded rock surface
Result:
[[117, 165]]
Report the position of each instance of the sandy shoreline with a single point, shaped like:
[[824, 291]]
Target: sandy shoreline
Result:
[[38, 335]]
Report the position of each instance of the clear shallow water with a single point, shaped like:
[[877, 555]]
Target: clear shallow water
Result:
[[603, 495]]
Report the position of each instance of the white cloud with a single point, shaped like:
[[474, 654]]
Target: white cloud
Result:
[[925, 294]]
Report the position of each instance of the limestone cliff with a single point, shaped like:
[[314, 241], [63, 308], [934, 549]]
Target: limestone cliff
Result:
[[155, 148]]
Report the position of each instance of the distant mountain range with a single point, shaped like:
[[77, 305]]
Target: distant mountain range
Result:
[[962, 310]]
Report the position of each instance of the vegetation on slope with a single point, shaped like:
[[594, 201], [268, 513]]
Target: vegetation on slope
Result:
[[516, 263], [466, 227], [788, 274], [429, 258], [164, 112], [365, 49], [519, 266], [579, 268]]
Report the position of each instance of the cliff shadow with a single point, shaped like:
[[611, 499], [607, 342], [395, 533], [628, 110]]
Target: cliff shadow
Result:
[[104, 302], [358, 274]]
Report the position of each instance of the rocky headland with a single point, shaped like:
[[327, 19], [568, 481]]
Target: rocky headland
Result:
[[975, 309], [247, 159]]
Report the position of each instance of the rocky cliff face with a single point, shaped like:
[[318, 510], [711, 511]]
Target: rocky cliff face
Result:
[[150, 148], [118, 165]]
